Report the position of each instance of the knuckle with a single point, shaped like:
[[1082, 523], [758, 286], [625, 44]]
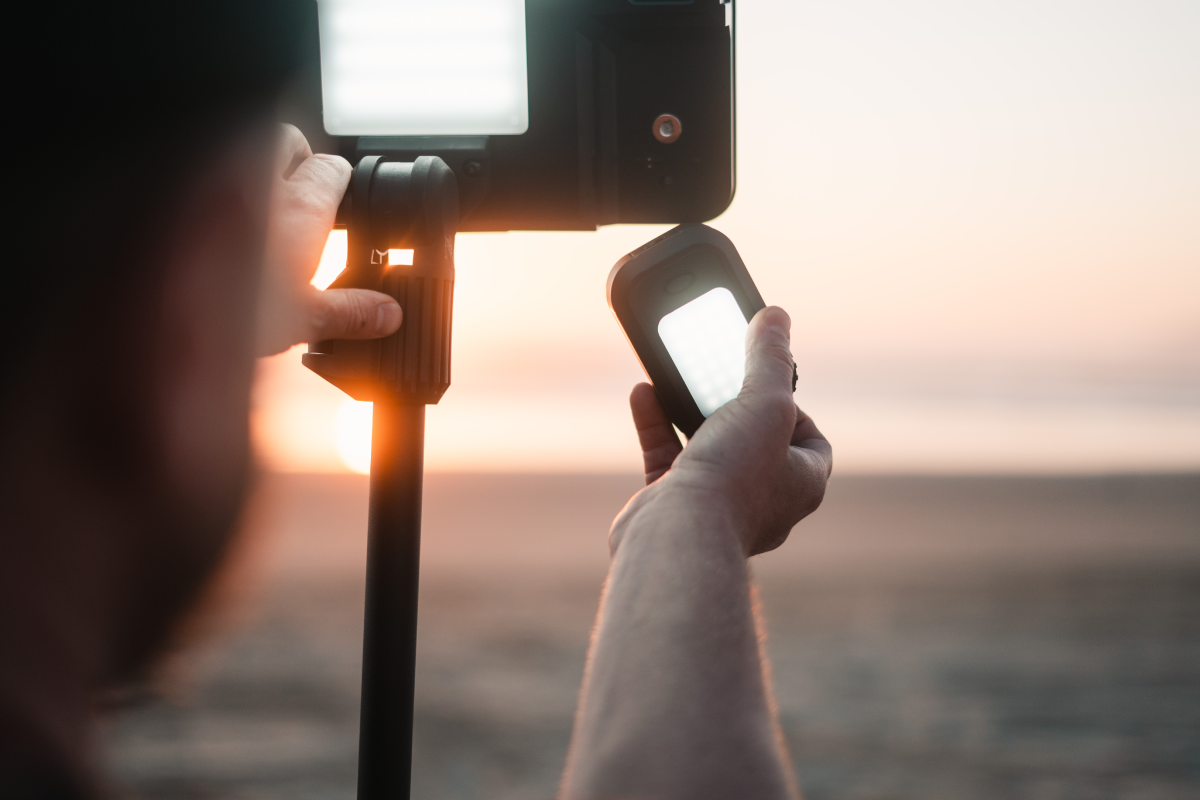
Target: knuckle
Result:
[[289, 136], [356, 313], [779, 351], [340, 313], [319, 318], [330, 167], [780, 409], [310, 205]]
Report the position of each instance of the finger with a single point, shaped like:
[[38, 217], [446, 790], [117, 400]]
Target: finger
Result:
[[292, 150], [306, 206], [806, 430], [352, 314], [322, 179], [768, 354], [806, 437], [660, 444]]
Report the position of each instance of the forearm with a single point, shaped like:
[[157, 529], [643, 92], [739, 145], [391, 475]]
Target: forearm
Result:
[[674, 702]]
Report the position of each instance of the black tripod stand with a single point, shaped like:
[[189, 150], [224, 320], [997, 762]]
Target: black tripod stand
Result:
[[395, 205]]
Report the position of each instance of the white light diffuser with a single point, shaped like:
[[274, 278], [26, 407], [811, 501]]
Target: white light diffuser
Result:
[[707, 341], [434, 67]]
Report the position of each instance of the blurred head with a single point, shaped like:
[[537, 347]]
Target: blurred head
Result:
[[136, 201]]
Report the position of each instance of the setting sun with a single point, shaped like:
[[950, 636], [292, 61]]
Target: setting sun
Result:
[[352, 435]]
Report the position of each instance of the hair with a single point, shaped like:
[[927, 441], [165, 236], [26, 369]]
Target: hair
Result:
[[112, 105]]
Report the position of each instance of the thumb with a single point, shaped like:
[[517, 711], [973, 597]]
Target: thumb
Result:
[[769, 362], [351, 314]]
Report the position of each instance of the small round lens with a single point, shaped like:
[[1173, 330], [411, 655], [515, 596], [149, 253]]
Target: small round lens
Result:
[[666, 128]]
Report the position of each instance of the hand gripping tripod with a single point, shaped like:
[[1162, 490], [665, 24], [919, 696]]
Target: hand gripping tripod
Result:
[[394, 205]]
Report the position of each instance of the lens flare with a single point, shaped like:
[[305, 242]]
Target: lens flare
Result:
[[352, 435]]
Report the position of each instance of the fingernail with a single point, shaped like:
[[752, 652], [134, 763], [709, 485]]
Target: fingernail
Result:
[[778, 319], [387, 318]]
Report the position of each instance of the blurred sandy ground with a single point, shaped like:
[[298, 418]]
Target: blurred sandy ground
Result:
[[931, 638]]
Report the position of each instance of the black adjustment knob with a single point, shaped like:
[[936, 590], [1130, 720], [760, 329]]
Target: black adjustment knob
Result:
[[398, 205]]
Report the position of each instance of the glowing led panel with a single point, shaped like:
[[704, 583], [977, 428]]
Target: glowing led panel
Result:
[[406, 68], [707, 341]]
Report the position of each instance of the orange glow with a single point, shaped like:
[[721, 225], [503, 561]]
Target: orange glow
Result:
[[352, 435], [333, 260]]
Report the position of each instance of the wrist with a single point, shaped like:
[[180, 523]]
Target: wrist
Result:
[[682, 512]]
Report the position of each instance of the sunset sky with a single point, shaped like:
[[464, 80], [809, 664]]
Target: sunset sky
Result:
[[984, 219]]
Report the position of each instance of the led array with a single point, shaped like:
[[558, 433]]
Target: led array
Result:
[[418, 68], [707, 341]]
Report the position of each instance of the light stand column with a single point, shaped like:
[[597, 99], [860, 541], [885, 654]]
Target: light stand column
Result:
[[403, 206], [393, 572]]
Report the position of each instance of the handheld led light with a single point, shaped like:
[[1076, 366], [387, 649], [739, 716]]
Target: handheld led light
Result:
[[685, 301]]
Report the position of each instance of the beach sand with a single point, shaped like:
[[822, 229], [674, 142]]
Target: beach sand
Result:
[[931, 637]]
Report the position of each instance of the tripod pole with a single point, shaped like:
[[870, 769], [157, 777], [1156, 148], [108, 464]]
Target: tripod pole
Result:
[[393, 569], [395, 205]]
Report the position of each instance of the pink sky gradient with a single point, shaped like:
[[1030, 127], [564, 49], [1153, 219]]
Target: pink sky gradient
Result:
[[983, 218]]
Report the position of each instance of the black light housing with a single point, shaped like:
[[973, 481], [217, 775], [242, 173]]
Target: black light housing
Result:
[[602, 75], [693, 277]]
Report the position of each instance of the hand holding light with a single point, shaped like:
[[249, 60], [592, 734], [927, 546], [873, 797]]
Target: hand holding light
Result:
[[758, 462], [306, 192]]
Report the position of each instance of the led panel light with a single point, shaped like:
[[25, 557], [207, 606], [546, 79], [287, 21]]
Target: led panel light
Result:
[[420, 68], [707, 341], [683, 300]]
